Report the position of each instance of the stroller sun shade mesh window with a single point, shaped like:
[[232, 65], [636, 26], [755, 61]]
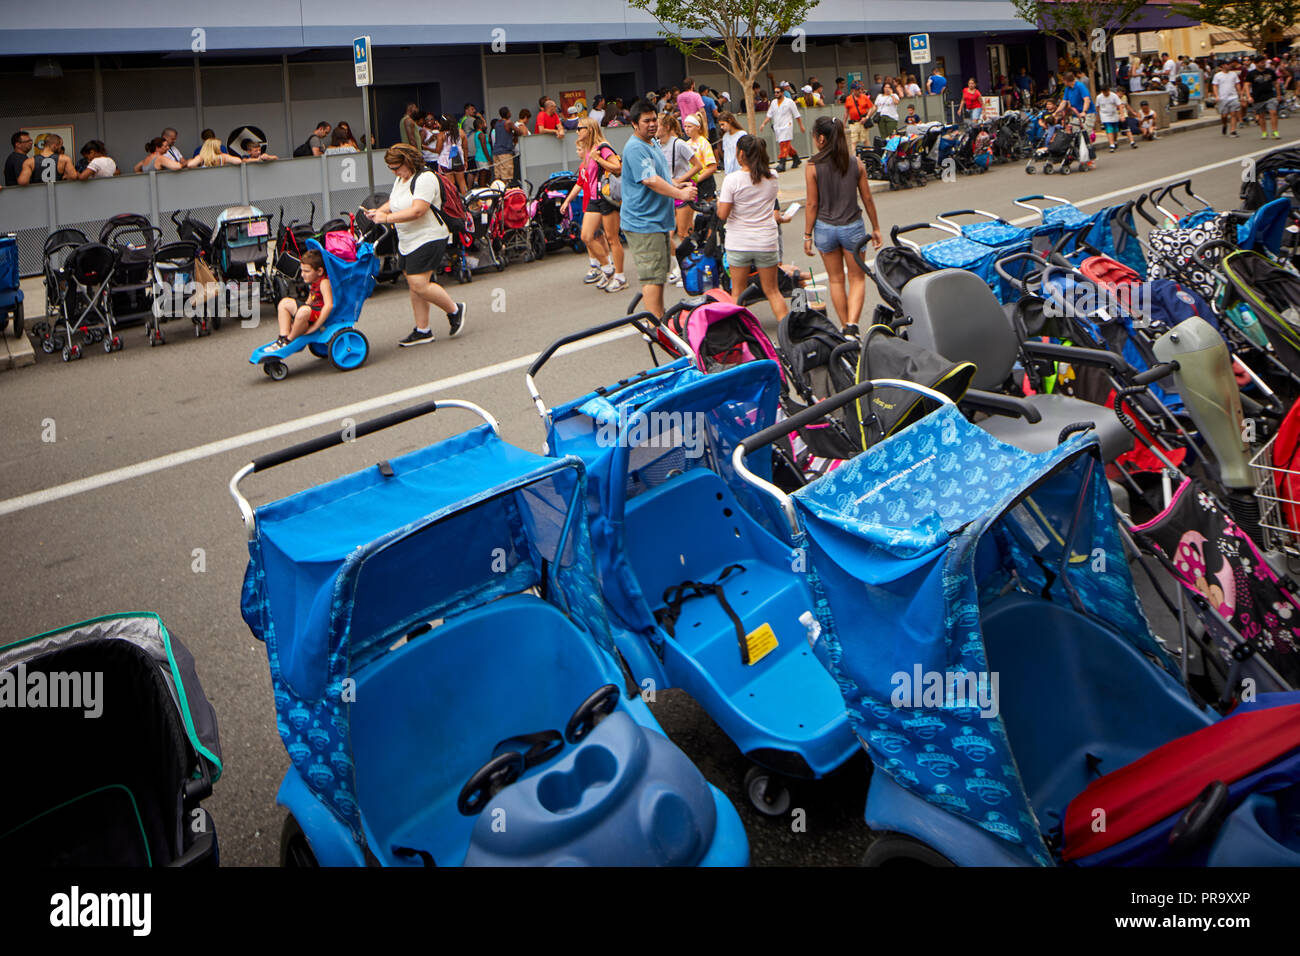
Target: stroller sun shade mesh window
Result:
[[917, 535]]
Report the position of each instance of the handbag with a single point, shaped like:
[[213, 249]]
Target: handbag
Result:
[[611, 187]]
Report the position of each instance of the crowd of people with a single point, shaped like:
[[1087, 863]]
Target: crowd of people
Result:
[[26, 165]]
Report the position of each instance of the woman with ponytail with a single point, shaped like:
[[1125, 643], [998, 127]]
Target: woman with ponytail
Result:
[[834, 180], [747, 203]]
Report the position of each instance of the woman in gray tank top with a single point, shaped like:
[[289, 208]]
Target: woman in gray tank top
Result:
[[833, 220]]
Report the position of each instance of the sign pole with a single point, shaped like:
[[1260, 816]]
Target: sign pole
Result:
[[370, 139], [362, 64]]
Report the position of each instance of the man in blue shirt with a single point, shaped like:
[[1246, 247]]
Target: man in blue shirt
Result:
[[1079, 96], [937, 82], [710, 107], [647, 208]]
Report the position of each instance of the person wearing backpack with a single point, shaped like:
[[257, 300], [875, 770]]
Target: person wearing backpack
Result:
[[316, 144], [413, 207], [857, 107]]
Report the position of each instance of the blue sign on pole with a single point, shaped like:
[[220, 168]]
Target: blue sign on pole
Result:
[[361, 61], [919, 44]]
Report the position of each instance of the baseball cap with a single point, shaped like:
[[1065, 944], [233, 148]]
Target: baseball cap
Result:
[[726, 95], [806, 88], [855, 85], [786, 84]]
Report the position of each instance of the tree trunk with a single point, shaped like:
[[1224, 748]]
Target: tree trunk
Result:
[[749, 104]]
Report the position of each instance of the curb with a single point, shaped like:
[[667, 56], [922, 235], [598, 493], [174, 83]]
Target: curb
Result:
[[15, 352]]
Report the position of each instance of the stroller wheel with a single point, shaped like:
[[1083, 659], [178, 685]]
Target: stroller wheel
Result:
[[67, 354], [295, 851], [108, 346], [1029, 168], [277, 370], [1048, 169], [898, 849], [199, 328], [117, 343], [1066, 170], [47, 346], [767, 792], [76, 351], [348, 349]]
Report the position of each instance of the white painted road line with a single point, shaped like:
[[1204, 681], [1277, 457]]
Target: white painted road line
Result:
[[331, 417], [140, 469]]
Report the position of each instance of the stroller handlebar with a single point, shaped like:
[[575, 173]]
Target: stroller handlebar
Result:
[[809, 415], [313, 445], [1200, 254], [645, 322]]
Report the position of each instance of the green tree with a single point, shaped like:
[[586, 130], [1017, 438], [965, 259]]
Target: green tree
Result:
[[1089, 24], [1261, 22], [738, 34]]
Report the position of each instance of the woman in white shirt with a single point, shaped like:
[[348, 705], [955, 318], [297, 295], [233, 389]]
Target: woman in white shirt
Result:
[[421, 239], [731, 135], [683, 164], [747, 204], [886, 111], [99, 164], [913, 88]]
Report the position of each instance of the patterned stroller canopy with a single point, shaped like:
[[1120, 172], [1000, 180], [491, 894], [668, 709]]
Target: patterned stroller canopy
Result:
[[920, 533]]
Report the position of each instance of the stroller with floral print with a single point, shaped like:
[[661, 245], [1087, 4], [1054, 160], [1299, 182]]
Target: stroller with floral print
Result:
[[1011, 694]]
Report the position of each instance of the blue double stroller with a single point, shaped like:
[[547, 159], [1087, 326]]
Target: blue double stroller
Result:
[[11, 293], [446, 681], [1013, 702], [696, 569], [337, 339]]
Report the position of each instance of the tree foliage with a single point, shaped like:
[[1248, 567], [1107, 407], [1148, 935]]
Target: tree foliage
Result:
[[1261, 22], [1088, 24], [739, 34]]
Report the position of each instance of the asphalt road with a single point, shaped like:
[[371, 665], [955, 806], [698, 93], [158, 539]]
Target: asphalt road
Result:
[[127, 540]]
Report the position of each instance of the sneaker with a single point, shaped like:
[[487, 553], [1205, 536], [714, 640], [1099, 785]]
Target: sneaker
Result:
[[1276, 134], [615, 284], [851, 330], [1133, 145], [457, 320], [593, 275], [1112, 149], [1233, 133], [1263, 135], [1223, 128], [603, 280], [675, 278], [417, 337], [795, 163]]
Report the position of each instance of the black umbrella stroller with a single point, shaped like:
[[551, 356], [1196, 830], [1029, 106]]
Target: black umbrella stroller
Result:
[[109, 747]]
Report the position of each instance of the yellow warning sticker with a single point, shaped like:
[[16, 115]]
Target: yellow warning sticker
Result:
[[759, 642]]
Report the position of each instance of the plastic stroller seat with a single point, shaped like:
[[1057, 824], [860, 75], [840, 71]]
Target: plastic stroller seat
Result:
[[956, 314]]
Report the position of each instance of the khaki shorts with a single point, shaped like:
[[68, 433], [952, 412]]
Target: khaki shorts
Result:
[[857, 134], [504, 164], [651, 253]]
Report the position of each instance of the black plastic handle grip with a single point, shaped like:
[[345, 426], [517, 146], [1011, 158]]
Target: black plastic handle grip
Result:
[[313, 445], [960, 212], [1021, 283], [897, 231], [806, 417], [638, 320], [1155, 373]]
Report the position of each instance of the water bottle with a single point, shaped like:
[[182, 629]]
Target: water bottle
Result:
[[811, 626]]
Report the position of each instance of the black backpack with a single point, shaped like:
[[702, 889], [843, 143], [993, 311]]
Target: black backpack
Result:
[[305, 148]]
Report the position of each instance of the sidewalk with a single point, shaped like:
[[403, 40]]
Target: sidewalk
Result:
[[15, 352]]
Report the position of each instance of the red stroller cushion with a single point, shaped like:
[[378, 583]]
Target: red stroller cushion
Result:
[[1108, 273], [1169, 778], [1286, 458]]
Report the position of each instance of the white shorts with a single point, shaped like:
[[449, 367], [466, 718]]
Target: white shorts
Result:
[[1229, 105]]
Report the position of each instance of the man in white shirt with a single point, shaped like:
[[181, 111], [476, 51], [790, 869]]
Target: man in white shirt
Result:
[[1227, 97], [169, 135], [1170, 69], [783, 114]]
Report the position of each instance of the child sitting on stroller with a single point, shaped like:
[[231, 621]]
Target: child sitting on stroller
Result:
[[298, 316]]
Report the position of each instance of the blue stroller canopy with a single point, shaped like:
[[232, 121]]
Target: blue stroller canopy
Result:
[[351, 282], [633, 439], [1266, 227], [339, 573], [922, 531]]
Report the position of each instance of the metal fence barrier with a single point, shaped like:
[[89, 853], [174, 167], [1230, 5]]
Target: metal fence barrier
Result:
[[336, 185]]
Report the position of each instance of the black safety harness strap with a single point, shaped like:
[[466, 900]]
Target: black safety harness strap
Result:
[[679, 594]]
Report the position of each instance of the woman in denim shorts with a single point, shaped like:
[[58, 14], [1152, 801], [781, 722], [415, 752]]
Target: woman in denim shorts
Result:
[[833, 220], [747, 203]]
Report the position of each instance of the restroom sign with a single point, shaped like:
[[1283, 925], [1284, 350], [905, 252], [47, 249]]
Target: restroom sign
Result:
[[919, 44], [361, 61]]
